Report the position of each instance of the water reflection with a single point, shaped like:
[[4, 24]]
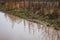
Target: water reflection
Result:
[[21, 29]]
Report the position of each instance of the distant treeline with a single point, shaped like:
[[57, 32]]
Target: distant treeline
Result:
[[32, 5], [27, 0]]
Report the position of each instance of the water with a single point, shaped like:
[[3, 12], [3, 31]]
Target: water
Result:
[[14, 28]]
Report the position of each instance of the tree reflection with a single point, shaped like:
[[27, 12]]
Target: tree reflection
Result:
[[13, 19], [44, 32]]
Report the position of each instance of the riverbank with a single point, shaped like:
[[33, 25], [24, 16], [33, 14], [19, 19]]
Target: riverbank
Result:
[[50, 16], [29, 15]]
